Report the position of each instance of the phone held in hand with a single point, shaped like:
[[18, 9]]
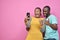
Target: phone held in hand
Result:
[[28, 14], [29, 20]]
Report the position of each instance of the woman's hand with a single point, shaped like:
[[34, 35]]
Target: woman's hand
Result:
[[41, 22], [26, 19], [27, 23]]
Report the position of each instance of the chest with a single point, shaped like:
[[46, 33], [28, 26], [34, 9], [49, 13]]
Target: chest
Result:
[[35, 21]]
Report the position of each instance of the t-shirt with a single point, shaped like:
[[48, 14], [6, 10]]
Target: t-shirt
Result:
[[51, 33]]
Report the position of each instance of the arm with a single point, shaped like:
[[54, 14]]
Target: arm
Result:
[[27, 23], [53, 26], [53, 23], [43, 29]]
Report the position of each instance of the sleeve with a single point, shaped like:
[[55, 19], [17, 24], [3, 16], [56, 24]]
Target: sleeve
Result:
[[54, 20]]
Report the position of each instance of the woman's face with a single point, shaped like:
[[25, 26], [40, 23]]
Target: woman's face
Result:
[[37, 13]]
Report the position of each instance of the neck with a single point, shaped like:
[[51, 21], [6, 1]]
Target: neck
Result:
[[37, 17], [48, 15]]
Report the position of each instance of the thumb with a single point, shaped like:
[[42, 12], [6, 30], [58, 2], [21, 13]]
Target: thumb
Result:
[[48, 20], [41, 22]]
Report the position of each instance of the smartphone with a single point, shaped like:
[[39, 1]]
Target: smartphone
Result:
[[28, 14]]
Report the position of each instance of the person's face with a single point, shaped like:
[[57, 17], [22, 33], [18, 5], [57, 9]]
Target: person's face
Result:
[[37, 13], [45, 12]]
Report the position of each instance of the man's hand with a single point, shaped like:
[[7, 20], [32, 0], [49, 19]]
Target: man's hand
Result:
[[47, 22], [53, 26]]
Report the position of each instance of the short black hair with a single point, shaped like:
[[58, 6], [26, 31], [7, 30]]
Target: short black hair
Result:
[[47, 7], [38, 8]]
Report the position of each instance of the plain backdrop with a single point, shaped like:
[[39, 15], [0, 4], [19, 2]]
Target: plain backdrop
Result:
[[13, 12]]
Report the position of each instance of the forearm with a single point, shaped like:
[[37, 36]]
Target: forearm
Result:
[[27, 25], [53, 26], [43, 34]]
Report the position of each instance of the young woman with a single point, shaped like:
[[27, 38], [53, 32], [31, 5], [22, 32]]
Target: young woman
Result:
[[34, 26]]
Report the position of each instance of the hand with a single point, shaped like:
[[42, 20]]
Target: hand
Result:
[[47, 22], [41, 22], [27, 19]]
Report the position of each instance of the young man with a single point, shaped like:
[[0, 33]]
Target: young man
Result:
[[51, 32]]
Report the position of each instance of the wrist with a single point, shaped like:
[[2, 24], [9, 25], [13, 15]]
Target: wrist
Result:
[[49, 24]]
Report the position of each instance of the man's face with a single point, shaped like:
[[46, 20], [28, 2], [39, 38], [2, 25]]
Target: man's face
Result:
[[45, 12]]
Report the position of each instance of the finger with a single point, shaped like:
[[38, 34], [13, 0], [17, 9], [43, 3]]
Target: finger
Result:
[[48, 20], [25, 20], [41, 22]]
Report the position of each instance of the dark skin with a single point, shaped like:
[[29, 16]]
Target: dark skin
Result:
[[46, 13]]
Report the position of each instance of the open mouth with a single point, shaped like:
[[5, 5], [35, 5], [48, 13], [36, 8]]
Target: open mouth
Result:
[[36, 14]]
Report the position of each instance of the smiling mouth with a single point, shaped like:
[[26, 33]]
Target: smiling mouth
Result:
[[36, 14]]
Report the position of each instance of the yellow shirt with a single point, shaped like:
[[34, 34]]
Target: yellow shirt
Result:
[[34, 32]]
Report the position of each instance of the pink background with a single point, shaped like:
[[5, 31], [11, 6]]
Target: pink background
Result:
[[12, 14]]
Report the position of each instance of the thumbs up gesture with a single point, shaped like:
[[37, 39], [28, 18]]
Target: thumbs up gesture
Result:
[[47, 22]]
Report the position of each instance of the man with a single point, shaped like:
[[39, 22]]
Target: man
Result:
[[51, 32]]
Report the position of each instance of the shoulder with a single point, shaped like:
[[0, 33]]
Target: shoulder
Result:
[[53, 19], [42, 18], [52, 16]]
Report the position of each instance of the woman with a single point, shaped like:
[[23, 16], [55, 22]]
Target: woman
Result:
[[35, 24]]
